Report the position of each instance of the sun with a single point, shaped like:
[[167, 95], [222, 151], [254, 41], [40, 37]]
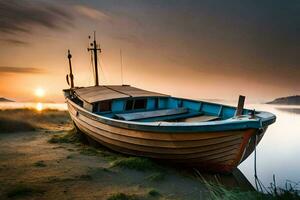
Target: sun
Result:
[[39, 92]]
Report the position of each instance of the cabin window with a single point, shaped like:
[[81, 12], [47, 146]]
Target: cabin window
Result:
[[105, 106], [129, 105], [140, 104]]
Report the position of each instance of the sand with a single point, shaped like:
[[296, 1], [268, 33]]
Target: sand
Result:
[[31, 167]]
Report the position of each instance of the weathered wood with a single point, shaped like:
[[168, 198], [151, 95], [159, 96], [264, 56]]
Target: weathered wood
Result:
[[232, 139], [240, 107], [223, 151], [214, 149], [204, 118], [101, 93], [151, 114]]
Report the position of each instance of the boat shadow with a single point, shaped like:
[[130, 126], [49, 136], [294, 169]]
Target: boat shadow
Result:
[[233, 180]]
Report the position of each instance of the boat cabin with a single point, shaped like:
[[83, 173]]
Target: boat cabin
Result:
[[133, 104]]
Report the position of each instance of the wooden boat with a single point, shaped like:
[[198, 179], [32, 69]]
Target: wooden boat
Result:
[[210, 136]]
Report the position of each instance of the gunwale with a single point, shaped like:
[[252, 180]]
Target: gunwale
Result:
[[223, 149], [210, 126]]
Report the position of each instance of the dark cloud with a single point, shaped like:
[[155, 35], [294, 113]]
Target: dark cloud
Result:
[[21, 15], [23, 70], [13, 41]]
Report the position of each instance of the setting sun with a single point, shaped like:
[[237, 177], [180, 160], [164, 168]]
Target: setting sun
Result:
[[39, 92]]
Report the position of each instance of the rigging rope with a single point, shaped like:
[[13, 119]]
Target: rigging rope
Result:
[[121, 59], [258, 184], [102, 71], [93, 69]]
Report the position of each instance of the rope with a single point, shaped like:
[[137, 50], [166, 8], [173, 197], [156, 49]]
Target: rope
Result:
[[255, 170], [121, 59], [258, 184], [101, 70], [93, 68]]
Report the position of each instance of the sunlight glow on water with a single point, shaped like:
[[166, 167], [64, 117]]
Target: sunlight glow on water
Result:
[[38, 106]]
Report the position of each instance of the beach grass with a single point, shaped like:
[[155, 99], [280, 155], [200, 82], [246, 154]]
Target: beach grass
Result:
[[156, 176], [73, 136], [218, 191], [14, 125], [40, 163], [70, 136], [22, 120], [153, 193], [136, 163], [122, 196]]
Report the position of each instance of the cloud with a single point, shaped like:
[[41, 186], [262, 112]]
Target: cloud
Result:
[[129, 38], [13, 41], [21, 70], [21, 15], [91, 12]]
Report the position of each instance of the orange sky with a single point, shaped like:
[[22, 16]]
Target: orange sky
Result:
[[184, 49]]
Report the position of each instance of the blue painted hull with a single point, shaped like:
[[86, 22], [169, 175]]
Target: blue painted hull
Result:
[[217, 146]]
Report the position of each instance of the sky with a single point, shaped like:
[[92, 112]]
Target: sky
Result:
[[202, 49]]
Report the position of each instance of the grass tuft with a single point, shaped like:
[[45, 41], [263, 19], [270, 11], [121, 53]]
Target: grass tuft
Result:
[[219, 191], [136, 163], [21, 190], [89, 151], [14, 125], [15, 120], [157, 176], [70, 156], [40, 163], [70, 137], [122, 196], [153, 193]]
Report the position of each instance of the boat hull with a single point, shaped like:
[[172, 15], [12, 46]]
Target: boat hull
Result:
[[217, 151]]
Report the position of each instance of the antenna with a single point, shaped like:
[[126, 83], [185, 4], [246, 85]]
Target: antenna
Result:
[[94, 48], [121, 60], [71, 73]]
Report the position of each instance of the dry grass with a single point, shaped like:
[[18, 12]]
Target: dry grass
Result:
[[14, 125], [122, 196], [136, 163], [70, 136], [218, 191], [15, 120]]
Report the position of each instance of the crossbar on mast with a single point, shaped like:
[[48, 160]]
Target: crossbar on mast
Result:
[[95, 50]]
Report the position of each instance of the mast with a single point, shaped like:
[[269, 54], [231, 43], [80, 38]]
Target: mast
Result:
[[95, 48], [71, 73]]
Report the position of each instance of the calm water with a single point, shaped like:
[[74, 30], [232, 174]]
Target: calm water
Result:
[[38, 106], [278, 152]]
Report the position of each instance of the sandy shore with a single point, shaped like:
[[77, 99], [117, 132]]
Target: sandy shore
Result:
[[45, 164]]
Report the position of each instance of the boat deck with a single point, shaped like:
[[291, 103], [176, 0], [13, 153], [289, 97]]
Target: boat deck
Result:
[[168, 115]]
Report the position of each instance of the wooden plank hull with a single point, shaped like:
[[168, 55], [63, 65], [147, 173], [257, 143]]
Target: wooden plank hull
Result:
[[219, 151]]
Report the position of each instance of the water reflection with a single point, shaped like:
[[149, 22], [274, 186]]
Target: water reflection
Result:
[[290, 110], [278, 152], [39, 106], [30, 105]]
